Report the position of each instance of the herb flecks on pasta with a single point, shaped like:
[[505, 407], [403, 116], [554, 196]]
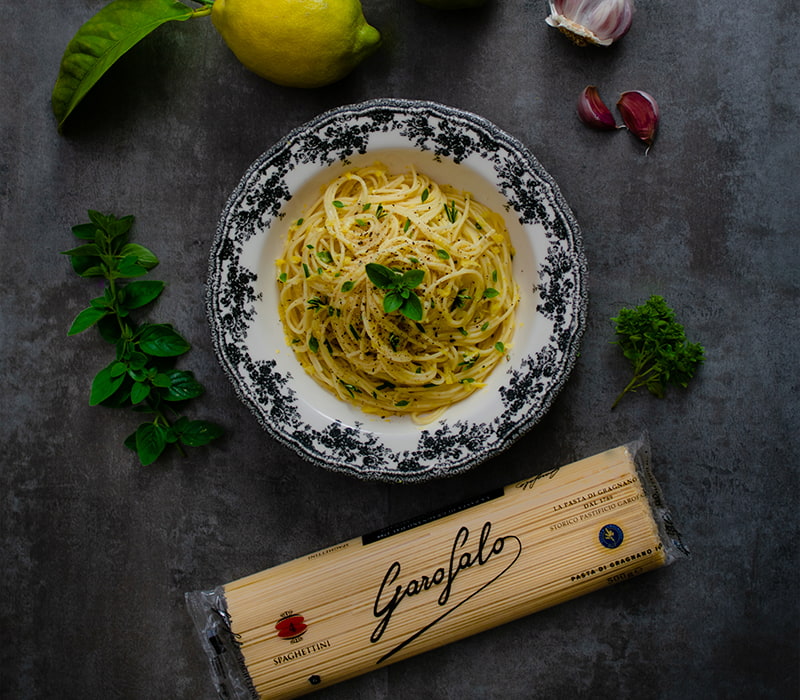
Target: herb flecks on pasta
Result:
[[396, 292]]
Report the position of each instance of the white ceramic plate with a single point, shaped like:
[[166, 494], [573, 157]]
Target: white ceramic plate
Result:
[[452, 147]]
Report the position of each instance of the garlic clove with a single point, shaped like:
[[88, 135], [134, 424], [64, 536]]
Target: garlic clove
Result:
[[640, 113], [599, 22], [593, 112]]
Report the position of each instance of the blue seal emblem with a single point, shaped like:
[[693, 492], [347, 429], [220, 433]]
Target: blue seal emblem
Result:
[[610, 536]]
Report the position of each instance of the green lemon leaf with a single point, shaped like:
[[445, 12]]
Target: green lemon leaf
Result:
[[101, 41]]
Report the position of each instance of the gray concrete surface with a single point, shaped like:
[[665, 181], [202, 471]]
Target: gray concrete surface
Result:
[[97, 551]]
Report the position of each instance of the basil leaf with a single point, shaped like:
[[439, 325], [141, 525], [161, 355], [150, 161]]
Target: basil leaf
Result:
[[413, 278], [129, 267], [87, 265], [99, 219], [109, 329], [412, 308], [85, 231], [150, 442], [199, 432], [161, 340], [130, 441], [162, 381], [380, 275], [182, 385], [144, 257], [104, 385], [85, 319], [392, 302], [118, 368], [139, 392], [137, 294], [101, 41], [85, 250], [137, 360], [119, 227]]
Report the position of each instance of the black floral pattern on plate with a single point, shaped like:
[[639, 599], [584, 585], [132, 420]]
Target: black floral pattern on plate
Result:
[[445, 447]]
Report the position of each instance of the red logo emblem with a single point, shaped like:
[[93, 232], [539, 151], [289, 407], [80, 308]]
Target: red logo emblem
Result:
[[291, 626]]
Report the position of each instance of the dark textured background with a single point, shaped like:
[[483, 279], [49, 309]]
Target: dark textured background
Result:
[[97, 552]]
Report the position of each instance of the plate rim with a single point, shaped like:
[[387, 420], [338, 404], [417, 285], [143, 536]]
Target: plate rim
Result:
[[578, 307]]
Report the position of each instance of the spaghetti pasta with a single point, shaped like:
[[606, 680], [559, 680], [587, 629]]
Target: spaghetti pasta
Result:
[[373, 600], [415, 347]]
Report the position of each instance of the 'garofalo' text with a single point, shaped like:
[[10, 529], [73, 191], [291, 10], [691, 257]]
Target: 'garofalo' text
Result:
[[463, 555]]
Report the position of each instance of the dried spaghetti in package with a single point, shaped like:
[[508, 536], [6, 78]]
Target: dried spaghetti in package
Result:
[[391, 594]]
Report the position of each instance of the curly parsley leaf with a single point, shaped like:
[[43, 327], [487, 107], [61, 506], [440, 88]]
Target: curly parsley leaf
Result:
[[655, 344]]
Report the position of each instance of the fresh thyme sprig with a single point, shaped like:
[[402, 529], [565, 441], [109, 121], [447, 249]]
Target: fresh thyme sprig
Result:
[[451, 212], [142, 375]]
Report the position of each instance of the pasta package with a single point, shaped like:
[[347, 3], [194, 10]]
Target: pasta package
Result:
[[402, 590]]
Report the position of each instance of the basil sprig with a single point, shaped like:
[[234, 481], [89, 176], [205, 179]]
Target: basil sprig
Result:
[[399, 288], [142, 375]]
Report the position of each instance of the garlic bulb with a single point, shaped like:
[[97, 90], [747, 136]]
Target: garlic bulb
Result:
[[599, 22]]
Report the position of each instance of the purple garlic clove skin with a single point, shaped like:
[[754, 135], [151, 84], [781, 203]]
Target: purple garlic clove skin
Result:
[[593, 112], [598, 22], [640, 113]]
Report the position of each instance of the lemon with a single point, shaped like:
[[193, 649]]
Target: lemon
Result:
[[297, 43]]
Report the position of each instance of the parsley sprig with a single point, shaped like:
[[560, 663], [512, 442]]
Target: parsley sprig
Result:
[[399, 288], [656, 346], [142, 375]]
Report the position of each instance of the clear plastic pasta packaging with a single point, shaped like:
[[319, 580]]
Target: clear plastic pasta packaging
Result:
[[388, 595]]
